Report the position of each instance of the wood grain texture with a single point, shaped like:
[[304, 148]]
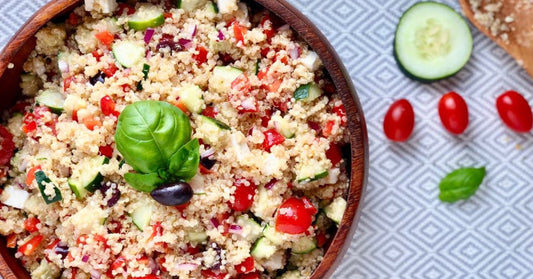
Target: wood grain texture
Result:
[[18, 49], [520, 43]]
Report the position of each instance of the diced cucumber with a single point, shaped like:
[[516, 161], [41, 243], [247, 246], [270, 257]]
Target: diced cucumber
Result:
[[292, 274], [86, 176], [251, 229], [211, 121], [310, 173], [45, 270], [42, 181], [142, 214], [336, 209], [304, 245], [212, 7], [192, 97], [274, 236], [146, 16], [190, 5], [308, 92], [128, 53], [14, 196], [197, 236], [432, 42], [54, 100], [223, 76], [283, 126], [263, 249]]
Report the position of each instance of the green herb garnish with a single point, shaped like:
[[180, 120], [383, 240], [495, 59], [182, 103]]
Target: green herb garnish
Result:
[[461, 184]]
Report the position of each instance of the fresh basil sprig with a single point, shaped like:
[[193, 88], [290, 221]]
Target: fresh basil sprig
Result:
[[461, 184], [155, 140]]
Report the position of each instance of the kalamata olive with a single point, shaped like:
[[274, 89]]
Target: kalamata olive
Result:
[[100, 77], [61, 250], [167, 41], [207, 163], [115, 192], [173, 194]]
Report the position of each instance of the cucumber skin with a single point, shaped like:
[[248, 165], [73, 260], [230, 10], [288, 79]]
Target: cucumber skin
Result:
[[399, 63]]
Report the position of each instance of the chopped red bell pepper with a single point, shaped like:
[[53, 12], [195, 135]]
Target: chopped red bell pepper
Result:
[[245, 266], [106, 150]]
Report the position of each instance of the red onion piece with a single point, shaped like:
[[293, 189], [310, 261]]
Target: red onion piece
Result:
[[85, 258], [295, 52], [215, 222], [271, 184], [187, 266], [235, 229], [192, 30], [221, 36], [207, 153], [186, 44], [248, 104], [148, 35], [95, 274], [148, 54]]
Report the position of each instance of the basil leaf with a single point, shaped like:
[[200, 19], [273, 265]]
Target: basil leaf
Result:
[[184, 164], [461, 184], [143, 182], [149, 133]]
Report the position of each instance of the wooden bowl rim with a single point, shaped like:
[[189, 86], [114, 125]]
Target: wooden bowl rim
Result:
[[11, 269]]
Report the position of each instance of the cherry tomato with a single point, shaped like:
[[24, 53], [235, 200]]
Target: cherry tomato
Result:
[[246, 266], [515, 111], [272, 137], [7, 146], [293, 217], [399, 121], [157, 230], [31, 223], [244, 195], [31, 245], [453, 113]]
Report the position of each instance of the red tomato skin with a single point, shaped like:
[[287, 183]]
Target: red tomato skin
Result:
[[244, 195], [107, 105], [399, 121], [515, 111], [245, 266], [31, 223], [272, 137], [293, 217], [453, 112]]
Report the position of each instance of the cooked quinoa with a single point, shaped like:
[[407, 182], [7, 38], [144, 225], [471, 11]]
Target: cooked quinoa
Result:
[[278, 136]]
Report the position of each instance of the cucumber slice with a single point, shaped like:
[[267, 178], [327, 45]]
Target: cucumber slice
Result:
[[14, 197], [223, 76], [86, 176], [128, 53], [142, 214], [197, 237], [263, 249], [211, 121], [311, 173], [212, 8], [304, 245], [274, 236], [283, 126], [432, 42], [192, 97], [190, 5], [336, 209], [54, 100], [307, 93], [146, 16], [42, 182], [251, 229]]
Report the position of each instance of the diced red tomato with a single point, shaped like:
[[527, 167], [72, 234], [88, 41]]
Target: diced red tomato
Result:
[[110, 70], [82, 239], [282, 59], [263, 73], [52, 244], [210, 111], [75, 115], [253, 275], [265, 51], [31, 174], [167, 15], [106, 150], [181, 106], [149, 276], [97, 55], [204, 170], [31, 223], [73, 19], [334, 153], [183, 206], [326, 132], [201, 57], [321, 239], [246, 266], [160, 262], [123, 7], [341, 112], [242, 84], [105, 37], [193, 250], [157, 230], [209, 274], [20, 107], [293, 217], [31, 245], [101, 239], [92, 122], [238, 32], [74, 273], [125, 87], [11, 241], [107, 105], [7, 145], [272, 137], [315, 126], [309, 206], [268, 28], [282, 105], [118, 263], [67, 82], [266, 118], [244, 194]]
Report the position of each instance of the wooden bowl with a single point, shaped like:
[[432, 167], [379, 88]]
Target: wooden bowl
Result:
[[18, 49]]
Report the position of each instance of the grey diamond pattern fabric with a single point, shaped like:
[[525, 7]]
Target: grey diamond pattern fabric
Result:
[[405, 231]]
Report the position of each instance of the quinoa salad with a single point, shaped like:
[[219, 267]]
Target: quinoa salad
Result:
[[194, 139]]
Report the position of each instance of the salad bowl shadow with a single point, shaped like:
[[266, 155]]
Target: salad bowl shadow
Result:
[[19, 48]]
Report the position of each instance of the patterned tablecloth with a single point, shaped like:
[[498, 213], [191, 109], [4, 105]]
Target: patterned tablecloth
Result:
[[405, 231]]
